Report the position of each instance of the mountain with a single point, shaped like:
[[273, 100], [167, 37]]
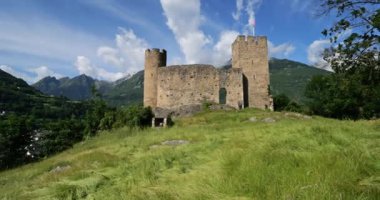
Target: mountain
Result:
[[290, 78], [129, 91], [77, 88], [16, 95], [286, 76]]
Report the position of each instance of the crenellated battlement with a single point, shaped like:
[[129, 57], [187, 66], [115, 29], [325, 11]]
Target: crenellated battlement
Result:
[[155, 58], [250, 40], [156, 51]]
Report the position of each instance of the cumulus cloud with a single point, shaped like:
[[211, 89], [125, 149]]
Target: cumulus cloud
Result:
[[184, 20], [128, 55], [84, 66], [314, 54], [42, 72], [35, 73], [281, 50], [222, 49]]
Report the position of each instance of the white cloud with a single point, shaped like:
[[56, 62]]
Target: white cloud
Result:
[[38, 73], [314, 54], [84, 66], [249, 6], [128, 55], [42, 72], [222, 49], [184, 19], [280, 51], [252, 5], [239, 7]]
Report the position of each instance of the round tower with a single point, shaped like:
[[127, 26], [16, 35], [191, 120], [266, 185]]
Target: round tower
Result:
[[154, 58]]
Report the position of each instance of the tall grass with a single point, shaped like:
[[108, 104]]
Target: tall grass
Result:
[[228, 157]]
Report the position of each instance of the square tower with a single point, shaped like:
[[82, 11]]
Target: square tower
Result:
[[250, 53]]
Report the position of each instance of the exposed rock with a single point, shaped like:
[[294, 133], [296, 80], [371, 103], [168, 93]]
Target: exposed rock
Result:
[[181, 111], [172, 143], [221, 107], [269, 120], [298, 115], [253, 119], [175, 142], [60, 169]]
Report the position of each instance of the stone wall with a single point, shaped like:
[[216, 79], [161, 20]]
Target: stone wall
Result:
[[251, 55], [194, 84]]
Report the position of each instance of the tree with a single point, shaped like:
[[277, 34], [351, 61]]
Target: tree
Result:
[[353, 90], [355, 37], [280, 102]]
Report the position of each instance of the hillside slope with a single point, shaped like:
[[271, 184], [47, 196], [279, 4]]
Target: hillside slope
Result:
[[127, 92], [18, 97], [26, 114], [290, 78], [247, 154]]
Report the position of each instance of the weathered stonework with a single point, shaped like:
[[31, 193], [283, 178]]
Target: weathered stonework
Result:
[[251, 55], [193, 84], [246, 83]]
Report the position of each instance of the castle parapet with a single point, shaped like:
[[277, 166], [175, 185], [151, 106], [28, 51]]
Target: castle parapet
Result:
[[258, 40]]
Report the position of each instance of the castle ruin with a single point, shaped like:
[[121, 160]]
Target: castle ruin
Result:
[[246, 84]]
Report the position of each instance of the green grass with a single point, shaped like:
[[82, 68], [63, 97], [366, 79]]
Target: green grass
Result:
[[228, 157]]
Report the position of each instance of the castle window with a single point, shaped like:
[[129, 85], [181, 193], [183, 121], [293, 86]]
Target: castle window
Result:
[[222, 96]]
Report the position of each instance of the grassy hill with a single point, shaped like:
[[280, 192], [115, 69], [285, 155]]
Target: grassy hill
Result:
[[246, 154]]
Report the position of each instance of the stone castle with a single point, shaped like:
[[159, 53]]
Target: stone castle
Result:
[[246, 84]]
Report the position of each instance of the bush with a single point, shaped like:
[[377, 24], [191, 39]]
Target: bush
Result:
[[131, 116], [280, 102], [283, 103]]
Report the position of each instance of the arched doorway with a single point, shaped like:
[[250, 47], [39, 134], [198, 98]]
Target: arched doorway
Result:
[[222, 96]]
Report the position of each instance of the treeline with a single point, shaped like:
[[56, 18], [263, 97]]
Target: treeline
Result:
[[353, 90], [57, 126]]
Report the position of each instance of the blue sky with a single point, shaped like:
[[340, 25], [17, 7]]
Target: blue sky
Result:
[[106, 39]]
